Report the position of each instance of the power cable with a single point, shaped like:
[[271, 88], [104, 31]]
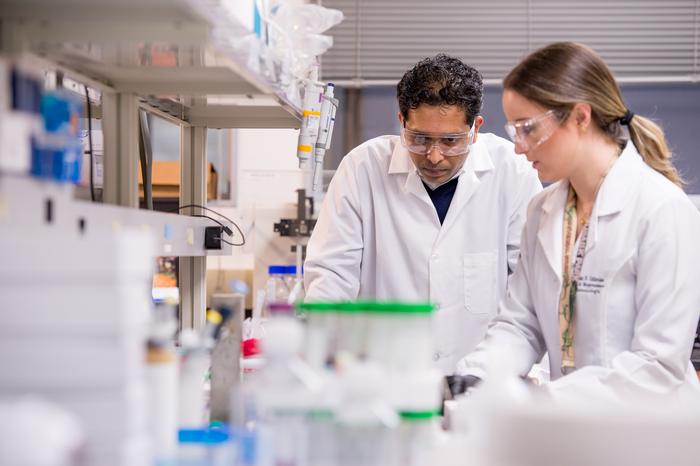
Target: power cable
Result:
[[226, 229], [92, 154]]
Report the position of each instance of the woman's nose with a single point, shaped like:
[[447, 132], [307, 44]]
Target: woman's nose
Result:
[[520, 147]]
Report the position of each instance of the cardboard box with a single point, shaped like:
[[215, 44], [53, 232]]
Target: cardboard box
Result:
[[166, 180]]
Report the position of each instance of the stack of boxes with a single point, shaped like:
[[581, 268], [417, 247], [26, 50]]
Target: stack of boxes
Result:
[[74, 313], [40, 130], [21, 88]]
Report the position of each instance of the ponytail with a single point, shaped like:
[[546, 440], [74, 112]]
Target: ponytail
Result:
[[650, 141], [561, 74]]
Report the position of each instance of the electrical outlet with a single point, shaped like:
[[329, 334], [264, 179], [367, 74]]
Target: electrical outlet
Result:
[[212, 237]]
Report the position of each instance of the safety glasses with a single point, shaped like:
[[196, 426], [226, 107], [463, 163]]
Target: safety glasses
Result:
[[449, 145], [534, 131]]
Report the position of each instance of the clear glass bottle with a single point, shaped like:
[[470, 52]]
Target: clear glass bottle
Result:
[[281, 285]]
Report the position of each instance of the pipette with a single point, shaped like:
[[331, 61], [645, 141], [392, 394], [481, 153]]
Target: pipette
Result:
[[310, 119], [323, 143]]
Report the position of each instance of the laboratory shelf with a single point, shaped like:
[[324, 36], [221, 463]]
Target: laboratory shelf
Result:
[[37, 206], [186, 54]]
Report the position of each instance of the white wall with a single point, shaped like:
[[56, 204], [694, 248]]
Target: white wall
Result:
[[266, 177], [266, 166]]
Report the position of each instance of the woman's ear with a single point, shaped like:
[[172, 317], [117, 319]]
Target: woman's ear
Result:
[[581, 115]]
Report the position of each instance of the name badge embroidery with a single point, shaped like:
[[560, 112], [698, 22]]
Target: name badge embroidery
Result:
[[590, 284]]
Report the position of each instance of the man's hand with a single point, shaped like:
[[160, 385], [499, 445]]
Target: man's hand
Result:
[[458, 384]]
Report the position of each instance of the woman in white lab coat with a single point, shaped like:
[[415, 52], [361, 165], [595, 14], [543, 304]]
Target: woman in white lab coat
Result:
[[607, 282]]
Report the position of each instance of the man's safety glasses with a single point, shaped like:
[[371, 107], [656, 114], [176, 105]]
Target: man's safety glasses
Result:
[[449, 145], [534, 131]]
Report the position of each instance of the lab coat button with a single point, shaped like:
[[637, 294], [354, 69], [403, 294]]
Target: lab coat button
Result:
[[437, 356]]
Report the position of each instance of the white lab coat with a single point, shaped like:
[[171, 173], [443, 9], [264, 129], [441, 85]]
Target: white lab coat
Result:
[[378, 236], [638, 299]]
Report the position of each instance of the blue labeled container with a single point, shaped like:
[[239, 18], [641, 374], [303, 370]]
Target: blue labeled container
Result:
[[212, 446], [57, 153]]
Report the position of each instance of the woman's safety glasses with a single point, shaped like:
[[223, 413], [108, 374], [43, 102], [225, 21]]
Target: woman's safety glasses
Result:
[[532, 132], [449, 145]]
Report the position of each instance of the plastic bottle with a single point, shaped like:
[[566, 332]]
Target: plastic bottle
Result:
[[353, 330], [194, 364], [420, 438], [286, 389], [320, 420], [321, 333], [320, 326], [491, 405], [245, 421], [400, 335], [162, 382], [366, 427], [421, 435]]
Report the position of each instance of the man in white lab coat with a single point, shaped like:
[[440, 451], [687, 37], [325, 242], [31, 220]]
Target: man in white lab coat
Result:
[[432, 215]]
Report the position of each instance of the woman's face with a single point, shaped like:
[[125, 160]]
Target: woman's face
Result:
[[538, 133]]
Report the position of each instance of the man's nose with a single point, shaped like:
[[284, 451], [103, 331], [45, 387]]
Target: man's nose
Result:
[[434, 155]]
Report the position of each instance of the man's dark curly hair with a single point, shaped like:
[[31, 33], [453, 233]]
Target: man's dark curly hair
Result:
[[441, 80]]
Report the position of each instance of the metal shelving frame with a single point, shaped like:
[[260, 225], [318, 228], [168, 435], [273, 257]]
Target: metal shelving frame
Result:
[[101, 43]]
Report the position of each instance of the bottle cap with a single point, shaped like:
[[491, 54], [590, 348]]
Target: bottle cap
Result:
[[280, 308], [283, 270]]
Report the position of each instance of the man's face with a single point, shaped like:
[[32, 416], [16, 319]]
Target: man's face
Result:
[[436, 121]]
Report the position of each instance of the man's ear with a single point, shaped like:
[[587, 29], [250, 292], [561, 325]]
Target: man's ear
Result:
[[401, 122], [478, 121]]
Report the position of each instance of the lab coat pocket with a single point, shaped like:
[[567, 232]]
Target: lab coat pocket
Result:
[[480, 282]]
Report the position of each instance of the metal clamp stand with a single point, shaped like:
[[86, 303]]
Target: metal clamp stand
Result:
[[300, 227]]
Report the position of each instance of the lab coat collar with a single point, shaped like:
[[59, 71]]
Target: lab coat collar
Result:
[[477, 164], [621, 183], [549, 233], [617, 190], [400, 159], [478, 161]]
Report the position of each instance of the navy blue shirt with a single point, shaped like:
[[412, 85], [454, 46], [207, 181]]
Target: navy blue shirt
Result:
[[442, 197]]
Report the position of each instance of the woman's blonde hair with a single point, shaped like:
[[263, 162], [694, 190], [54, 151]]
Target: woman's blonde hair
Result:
[[565, 73]]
